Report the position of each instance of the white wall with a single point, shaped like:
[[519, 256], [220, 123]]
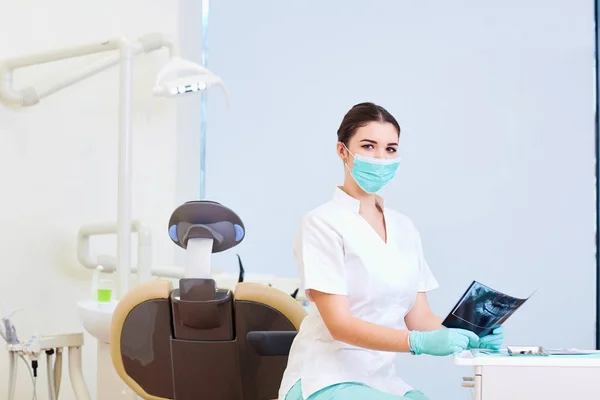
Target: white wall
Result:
[[58, 165], [495, 100]]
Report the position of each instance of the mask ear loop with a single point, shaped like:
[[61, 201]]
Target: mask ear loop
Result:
[[349, 152], [346, 160]]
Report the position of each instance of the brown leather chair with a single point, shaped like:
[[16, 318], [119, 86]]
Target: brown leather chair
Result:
[[231, 347], [198, 341]]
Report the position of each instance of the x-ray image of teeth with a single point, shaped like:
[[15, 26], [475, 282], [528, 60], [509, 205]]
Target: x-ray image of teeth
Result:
[[481, 309]]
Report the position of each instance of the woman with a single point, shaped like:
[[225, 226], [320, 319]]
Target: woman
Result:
[[362, 265]]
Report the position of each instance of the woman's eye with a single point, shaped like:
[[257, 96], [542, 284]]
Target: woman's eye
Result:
[[392, 149], [368, 146]]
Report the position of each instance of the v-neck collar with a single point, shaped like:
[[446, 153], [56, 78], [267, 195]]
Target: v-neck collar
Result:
[[353, 205]]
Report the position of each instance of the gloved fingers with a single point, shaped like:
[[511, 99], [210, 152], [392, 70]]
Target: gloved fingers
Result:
[[472, 337], [457, 349], [461, 341], [492, 339], [469, 334], [497, 337], [492, 346], [498, 331], [495, 345]]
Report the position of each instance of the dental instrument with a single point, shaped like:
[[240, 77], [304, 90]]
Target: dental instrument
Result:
[[30, 351]]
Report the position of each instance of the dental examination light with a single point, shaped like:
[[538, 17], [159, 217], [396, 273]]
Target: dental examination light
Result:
[[178, 77], [182, 77]]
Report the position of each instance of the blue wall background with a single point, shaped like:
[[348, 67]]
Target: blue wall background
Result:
[[496, 105]]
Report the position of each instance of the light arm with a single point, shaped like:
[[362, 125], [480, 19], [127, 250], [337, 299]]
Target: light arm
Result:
[[60, 54], [56, 85], [30, 96]]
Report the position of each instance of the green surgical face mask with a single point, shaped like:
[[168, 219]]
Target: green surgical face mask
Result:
[[372, 174]]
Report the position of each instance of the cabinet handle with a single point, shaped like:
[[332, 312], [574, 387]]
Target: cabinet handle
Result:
[[468, 382]]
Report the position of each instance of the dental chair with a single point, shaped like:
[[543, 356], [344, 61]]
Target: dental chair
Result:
[[198, 341]]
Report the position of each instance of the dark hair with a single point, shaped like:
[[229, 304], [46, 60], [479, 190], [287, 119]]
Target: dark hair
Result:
[[359, 116]]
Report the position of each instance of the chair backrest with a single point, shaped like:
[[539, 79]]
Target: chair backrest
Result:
[[140, 340], [157, 365]]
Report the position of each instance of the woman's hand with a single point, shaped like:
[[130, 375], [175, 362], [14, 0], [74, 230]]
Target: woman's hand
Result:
[[442, 342], [493, 341]]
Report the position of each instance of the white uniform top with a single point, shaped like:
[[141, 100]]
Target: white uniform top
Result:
[[338, 252]]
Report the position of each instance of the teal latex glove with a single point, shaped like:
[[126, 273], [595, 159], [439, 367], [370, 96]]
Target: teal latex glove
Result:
[[493, 341], [442, 342]]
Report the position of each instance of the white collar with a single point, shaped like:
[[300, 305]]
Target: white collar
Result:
[[350, 203]]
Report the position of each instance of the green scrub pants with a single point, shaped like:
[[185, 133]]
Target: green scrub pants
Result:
[[351, 391]]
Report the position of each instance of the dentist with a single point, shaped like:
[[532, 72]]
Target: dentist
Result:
[[362, 265]]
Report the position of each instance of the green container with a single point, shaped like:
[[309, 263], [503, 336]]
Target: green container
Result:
[[104, 295]]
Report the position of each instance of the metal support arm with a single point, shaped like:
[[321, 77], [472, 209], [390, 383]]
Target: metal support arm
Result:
[[30, 96]]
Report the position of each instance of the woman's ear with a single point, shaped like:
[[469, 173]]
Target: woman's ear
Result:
[[341, 151]]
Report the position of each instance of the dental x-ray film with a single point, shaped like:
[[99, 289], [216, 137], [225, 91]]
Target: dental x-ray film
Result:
[[481, 309]]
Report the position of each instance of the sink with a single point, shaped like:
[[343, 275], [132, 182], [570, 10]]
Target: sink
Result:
[[96, 318]]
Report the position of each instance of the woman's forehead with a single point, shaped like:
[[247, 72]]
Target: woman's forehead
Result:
[[380, 132]]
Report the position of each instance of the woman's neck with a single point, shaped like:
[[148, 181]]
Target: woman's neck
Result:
[[368, 201]]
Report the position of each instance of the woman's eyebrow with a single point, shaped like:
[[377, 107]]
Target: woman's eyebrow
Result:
[[375, 142]]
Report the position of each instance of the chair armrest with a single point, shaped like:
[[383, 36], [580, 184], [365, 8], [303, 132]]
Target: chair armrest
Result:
[[271, 343]]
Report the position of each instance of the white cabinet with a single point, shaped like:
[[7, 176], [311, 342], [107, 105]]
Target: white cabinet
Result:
[[526, 378]]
